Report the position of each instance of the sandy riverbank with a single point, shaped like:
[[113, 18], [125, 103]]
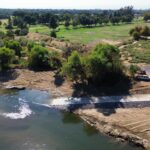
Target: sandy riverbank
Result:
[[132, 124]]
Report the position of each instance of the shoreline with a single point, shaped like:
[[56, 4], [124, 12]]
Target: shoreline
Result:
[[119, 133], [48, 81]]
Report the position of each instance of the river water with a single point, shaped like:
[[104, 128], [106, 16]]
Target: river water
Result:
[[27, 124]]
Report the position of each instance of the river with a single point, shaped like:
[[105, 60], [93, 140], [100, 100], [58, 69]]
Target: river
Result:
[[26, 123]]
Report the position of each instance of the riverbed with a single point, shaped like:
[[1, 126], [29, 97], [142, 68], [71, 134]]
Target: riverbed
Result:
[[26, 123]]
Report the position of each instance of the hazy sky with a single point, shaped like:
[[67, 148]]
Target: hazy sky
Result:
[[74, 4]]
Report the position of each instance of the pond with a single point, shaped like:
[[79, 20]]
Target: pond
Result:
[[26, 123]]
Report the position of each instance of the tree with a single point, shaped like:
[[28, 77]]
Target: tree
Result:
[[10, 24], [2, 34], [30, 45], [136, 35], [67, 24], [139, 31], [145, 31], [53, 22], [103, 64], [15, 46], [73, 67], [147, 16], [53, 34], [6, 57], [39, 58], [10, 33], [75, 23]]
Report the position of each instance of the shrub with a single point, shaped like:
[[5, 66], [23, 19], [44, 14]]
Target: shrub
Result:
[[6, 57], [10, 33], [55, 61], [133, 69], [53, 34], [136, 35], [39, 58], [145, 31], [17, 32], [24, 31], [14, 45], [73, 67], [139, 31], [2, 34], [30, 45], [23, 41], [102, 65]]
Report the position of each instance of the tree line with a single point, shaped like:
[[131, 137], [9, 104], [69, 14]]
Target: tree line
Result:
[[75, 18]]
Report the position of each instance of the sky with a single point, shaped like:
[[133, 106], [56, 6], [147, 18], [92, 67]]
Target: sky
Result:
[[75, 4]]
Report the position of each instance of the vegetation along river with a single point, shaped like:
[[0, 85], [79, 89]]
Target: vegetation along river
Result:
[[26, 124]]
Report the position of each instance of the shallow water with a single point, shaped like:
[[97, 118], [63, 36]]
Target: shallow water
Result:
[[26, 124]]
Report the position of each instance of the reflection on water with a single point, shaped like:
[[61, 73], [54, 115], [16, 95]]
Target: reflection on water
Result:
[[44, 128]]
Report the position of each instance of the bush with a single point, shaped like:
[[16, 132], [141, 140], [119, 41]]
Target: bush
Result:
[[39, 58], [24, 31], [6, 57], [145, 31], [73, 67], [133, 69], [14, 45], [10, 33], [30, 45], [17, 32], [53, 34], [55, 61], [136, 35], [102, 65], [21, 32], [139, 31], [2, 34]]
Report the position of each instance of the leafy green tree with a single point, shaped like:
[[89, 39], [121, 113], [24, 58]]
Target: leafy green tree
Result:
[[30, 45], [10, 33], [2, 34], [145, 31], [53, 34], [136, 35], [75, 23], [10, 24], [73, 67], [39, 58], [15, 46], [6, 57], [67, 24], [53, 22], [103, 63]]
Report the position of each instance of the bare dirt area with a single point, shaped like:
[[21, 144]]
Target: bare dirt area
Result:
[[59, 86], [45, 80], [132, 124]]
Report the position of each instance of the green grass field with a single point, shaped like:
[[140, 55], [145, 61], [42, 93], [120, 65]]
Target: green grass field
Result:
[[87, 35], [39, 28]]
